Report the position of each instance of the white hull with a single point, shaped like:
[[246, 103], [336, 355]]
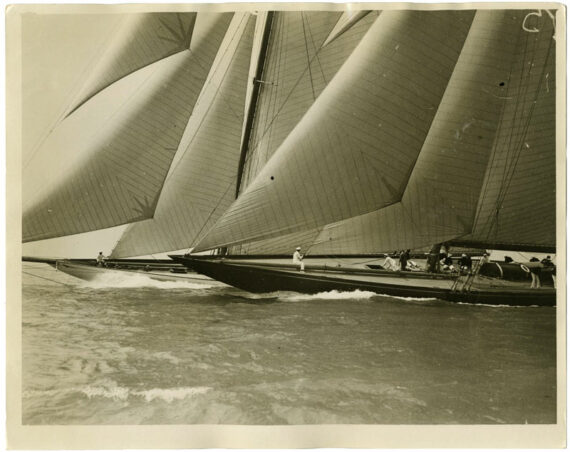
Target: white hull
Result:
[[94, 274]]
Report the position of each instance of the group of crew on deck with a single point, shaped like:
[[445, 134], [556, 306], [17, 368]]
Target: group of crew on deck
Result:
[[444, 262]]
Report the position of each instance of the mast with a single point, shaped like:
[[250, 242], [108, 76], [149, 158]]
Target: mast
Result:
[[257, 81]]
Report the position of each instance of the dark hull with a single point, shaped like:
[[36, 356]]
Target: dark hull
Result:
[[253, 278]]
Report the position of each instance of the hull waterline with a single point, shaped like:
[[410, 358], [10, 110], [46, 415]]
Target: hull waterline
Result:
[[259, 279]]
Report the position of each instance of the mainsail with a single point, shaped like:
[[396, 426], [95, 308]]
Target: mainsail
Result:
[[202, 180], [355, 149], [124, 139]]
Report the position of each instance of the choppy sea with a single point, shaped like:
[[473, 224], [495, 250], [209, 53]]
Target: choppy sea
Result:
[[146, 352]]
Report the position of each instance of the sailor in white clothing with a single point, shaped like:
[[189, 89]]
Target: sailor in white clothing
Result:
[[298, 259]]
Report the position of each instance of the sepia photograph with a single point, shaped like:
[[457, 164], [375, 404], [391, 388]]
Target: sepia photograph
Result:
[[340, 217]]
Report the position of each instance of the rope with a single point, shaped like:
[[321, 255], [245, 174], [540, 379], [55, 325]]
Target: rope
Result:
[[47, 279]]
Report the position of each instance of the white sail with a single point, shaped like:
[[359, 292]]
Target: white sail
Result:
[[202, 180], [356, 147], [105, 164]]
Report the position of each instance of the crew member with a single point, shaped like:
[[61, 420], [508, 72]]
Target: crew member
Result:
[[389, 263], [404, 257], [100, 259], [298, 259], [535, 273]]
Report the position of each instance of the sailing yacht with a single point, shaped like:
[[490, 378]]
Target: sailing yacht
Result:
[[347, 134]]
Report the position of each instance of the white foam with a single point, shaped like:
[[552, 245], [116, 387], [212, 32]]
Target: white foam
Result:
[[131, 280], [169, 395], [119, 393], [408, 298], [115, 393], [330, 295]]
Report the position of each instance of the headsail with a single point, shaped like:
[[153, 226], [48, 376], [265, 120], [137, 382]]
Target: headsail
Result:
[[201, 183], [356, 147], [124, 140]]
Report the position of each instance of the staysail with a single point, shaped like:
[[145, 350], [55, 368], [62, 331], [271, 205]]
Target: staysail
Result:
[[356, 147], [124, 139], [201, 183]]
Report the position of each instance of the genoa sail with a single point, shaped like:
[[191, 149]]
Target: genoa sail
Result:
[[124, 139]]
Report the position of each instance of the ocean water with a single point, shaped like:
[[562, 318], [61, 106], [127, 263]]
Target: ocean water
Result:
[[149, 352]]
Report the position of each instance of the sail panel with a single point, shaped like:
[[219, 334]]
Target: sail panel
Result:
[[354, 150], [123, 141], [296, 71], [201, 183]]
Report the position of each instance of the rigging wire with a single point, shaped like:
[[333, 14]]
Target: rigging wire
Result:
[[285, 101], [315, 49], [308, 57], [198, 235]]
